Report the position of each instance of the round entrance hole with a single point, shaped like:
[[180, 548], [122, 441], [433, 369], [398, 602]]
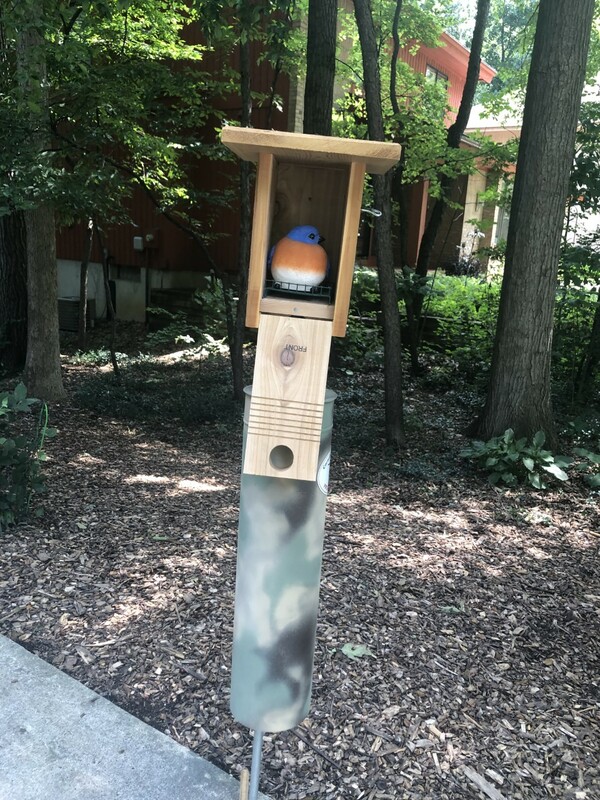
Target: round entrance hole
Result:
[[281, 457]]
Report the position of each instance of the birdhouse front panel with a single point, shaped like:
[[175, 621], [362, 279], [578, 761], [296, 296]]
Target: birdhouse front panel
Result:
[[288, 392]]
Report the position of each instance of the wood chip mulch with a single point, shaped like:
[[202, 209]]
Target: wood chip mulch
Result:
[[478, 610]]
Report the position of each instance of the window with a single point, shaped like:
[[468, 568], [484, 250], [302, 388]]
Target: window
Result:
[[434, 75], [502, 225]]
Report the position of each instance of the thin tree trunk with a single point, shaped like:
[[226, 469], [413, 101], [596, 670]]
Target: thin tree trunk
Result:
[[237, 343], [519, 390], [13, 292], [392, 352], [382, 186], [320, 66], [109, 303], [397, 191], [83, 286], [455, 133]]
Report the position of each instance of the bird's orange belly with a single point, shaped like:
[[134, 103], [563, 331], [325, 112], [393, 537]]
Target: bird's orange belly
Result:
[[295, 262]]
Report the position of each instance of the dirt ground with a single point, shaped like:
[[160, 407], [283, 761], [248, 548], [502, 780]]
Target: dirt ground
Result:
[[479, 608]]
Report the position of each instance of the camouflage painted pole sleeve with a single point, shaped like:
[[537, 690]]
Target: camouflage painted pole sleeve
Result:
[[280, 549]]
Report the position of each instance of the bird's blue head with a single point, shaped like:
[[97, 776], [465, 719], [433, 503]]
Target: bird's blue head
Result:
[[307, 234]]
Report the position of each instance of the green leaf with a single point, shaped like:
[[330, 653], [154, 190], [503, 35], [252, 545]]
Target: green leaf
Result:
[[356, 650], [563, 461], [581, 451], [528, 463], [539, 439], [509, 435], [555, 470], [536, 481], [20, 392], [593, 481]]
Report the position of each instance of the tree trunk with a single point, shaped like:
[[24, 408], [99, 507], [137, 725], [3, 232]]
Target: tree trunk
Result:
[[382, 185], [83, 286], [399, 195], [392, 349], [519, 389], [13, 292], [42, 368], [320, 66], [236, 346], [454, 136]]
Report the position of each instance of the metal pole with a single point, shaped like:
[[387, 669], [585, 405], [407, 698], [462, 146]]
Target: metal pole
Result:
[[255, 769]]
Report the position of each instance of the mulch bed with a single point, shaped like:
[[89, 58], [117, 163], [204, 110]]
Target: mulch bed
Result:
[[478, 609]]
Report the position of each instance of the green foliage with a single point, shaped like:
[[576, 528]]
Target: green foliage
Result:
[[21, 454], [204, 324], [585, 173], [94, 358], [460, 322], [175, 328], [419, 122], [577, 305], [514, 461], [363, 343], [126, 97], [585, 431]]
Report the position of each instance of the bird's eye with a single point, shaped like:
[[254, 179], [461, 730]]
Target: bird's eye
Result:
[[311, 236]]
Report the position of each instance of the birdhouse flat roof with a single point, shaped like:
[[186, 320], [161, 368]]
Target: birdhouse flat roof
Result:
[[249, 143]]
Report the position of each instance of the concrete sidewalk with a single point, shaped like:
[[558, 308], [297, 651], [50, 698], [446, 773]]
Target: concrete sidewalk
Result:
[[61, 741]]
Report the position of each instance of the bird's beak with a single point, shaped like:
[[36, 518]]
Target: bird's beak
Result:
[[321, 239]]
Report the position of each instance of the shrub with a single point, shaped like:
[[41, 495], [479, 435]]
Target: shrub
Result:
[[517, 461], [21, 454], [460, 322]]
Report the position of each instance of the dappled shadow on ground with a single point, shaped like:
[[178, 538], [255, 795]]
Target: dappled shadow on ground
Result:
[[479, 610]]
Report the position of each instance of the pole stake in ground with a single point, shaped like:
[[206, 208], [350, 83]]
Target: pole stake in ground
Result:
[[305, 186]]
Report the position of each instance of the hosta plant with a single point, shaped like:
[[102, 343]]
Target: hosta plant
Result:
[[515, 461]]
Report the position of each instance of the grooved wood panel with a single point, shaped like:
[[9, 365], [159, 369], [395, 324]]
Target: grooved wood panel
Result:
[[288, 392]]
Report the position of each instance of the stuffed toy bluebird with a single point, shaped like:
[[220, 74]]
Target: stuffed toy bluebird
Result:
[[299, 259]]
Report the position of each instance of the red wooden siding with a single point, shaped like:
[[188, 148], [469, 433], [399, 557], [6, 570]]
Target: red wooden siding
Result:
[[451, 58]]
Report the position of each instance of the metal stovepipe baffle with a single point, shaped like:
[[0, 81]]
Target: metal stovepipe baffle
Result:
[[280, 547]]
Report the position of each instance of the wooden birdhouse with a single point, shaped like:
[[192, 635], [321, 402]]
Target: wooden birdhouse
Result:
[[306, 180], [302, 180]]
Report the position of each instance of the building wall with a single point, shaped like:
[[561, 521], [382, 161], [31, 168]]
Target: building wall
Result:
[[451, 59], [68, 283], [132, 287], [473, 216]]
